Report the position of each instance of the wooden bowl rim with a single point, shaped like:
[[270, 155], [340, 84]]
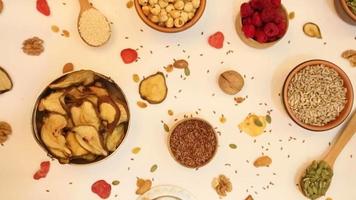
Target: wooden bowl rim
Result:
[[184, 120], [186, 26], [253, 43], [348, 10], [347, 84]]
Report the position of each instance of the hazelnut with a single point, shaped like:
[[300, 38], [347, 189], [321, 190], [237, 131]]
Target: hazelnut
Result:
[[231, 82]]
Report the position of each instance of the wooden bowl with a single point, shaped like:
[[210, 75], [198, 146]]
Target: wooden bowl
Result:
[[345, 12], [180, 122], [199, 12], [251, 42], [349, 96]]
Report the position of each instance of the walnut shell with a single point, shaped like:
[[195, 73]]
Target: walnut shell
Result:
[[231, 82]]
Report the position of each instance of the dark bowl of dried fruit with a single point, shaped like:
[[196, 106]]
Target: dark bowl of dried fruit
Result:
[[81, 117], [346, 9], [192, 142], [262, 23], [170, 16], [318, 95]]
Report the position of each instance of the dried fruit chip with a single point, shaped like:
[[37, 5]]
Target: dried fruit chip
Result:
[[263, 161], [312, 30], [129, 55], [68, 67], [136, 150], [253, 125], [153, 168], [101, 188], [143, 186], [5, 81], [216, 40], [42, 7], [43, 171], [153, 88]]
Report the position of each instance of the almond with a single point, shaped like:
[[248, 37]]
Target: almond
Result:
[[263, 161]]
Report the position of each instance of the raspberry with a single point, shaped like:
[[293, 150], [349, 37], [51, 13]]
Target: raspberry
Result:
[[276, 3], [272, 39], [279, 17], [266, 3], [217, 40], [261, 37], [249, 31], [271, 30], [128, 55], [256, 4], [282, 27], [246, 21], [256, 19], [268, 14], [246, 10], [102, 189]]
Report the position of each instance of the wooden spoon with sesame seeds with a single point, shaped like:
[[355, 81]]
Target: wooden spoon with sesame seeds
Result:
[[93, 26]]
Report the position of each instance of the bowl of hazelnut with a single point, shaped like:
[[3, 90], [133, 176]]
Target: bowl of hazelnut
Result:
[[170, 16]]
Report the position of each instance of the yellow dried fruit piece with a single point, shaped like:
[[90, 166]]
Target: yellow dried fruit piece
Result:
[[263, 161], [253, 125], [136, 150], [154, 88], [136, 78], [129, 4], [169, 68], [141, 104], [55, 28], [170, 112], [222, 119], [312, 30], [143, 185], [291, 15]]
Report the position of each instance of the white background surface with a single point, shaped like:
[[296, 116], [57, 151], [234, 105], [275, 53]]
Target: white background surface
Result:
[[21, 155]]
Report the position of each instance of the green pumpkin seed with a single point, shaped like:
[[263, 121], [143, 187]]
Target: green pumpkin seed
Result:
[[258, 122], [115, 182], [166, 127], [269, 119], [187, 71], [153, 168], [232, 146]]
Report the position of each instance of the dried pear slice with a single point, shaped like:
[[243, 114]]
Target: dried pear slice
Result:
[[114, 139], [88, 137], [51, 133], [312, 30], [58, 153], [89, 157], [98, 91], [153, 88], [107, 112], [52, 103], [74, 146], [5, 81], [84, 77], [85, 114], [124, 117]]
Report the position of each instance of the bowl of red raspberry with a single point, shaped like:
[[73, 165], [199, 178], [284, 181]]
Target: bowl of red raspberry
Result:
[[262, 23]]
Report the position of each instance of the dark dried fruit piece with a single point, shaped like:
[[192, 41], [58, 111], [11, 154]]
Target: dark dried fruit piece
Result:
[[5, 81], [42, 7], [216, 40], [101, 188], [180, 64], [153, 88]]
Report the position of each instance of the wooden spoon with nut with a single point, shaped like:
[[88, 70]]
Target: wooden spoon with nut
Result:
[[317, 178], [93, 26]]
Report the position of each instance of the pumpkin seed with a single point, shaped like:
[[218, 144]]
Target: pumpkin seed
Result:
[[186, 71], [153, 168], [232, 146], [258, 122], [115, 182], [268, 119], [166, 127]]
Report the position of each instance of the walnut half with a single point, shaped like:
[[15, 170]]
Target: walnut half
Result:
[[222, 185], [5, 131]]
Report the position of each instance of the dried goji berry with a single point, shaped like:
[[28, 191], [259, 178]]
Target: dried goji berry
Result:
[[217, 40], [42, 7], [42, 172], [129, 55], [101, 188]]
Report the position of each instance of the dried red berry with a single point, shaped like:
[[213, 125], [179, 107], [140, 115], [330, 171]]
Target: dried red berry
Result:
[[129, 55], [261, 37], [246, 10], [42, 7], [101, 188], [256, 19], [271, 29], [268, 14], [216, 40], [43, 171], [249, 31]]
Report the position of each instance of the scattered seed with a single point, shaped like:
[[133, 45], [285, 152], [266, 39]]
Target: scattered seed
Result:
[[135, 78], [232, 146], [115, 182], [153, 168], [166, 127], [268, 118], [68, 67], [141, 104], [187, 71]]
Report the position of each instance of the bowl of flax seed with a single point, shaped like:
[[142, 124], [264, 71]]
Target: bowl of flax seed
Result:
[[192, 142]]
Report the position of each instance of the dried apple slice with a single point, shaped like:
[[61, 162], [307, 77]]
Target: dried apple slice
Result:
[[52, 103], [85, 114], [84, 77], [51, 133], [5, 81], [74, 146], [153, 88], [124, 117], [114, 139], [88, 137], [312, 30]]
